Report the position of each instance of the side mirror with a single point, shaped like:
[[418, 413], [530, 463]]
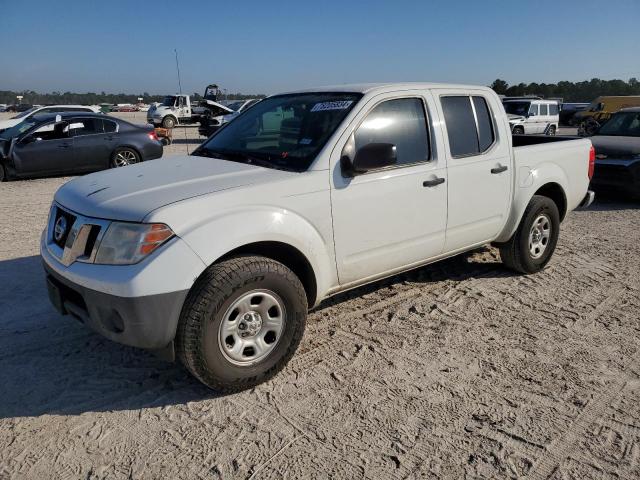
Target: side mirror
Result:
[[373, 156]]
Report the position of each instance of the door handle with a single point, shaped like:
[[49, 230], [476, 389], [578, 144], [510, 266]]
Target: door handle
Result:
[[433, 183], [64, 145], [500, 169], [110, 137]]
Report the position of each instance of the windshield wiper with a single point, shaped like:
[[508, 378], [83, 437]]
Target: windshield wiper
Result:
[[241, 157]]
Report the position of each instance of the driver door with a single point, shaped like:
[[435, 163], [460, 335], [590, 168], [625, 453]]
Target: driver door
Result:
[[46, 151], [388, 219]]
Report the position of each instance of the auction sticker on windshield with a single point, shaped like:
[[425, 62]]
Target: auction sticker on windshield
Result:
[[339, 105]]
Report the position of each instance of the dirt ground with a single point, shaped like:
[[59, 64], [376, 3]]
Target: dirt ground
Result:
[[457, 370]]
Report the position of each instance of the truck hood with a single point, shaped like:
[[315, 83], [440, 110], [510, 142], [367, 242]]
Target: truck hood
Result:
[[215, 108], [131, 193], [514, 118], [616, 146]]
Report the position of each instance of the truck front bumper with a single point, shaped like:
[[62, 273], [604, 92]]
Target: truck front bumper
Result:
[[135, 305]]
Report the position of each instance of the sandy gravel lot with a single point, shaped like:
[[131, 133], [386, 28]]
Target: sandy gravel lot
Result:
[[457, 370]]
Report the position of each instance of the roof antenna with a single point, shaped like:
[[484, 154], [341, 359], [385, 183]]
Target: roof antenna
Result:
[[180, 89]]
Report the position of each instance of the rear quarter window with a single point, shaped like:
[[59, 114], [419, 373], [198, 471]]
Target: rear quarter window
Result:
[[110, 126]]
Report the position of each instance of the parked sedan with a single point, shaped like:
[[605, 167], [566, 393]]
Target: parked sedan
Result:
[[73, 143], [617, 146], [40, 110]]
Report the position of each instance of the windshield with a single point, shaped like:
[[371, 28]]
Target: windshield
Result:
[[26, 112], [19, 128], [285, 131], [623, 124], [169, 101], [517, 108], [235, 106]]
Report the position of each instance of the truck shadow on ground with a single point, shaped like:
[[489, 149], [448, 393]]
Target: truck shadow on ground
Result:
[[52, 364]]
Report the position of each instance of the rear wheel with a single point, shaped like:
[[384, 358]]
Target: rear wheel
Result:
[[518, 130], [123, 157], [533, 243], [241, 323], [168, 122], [552, 130]]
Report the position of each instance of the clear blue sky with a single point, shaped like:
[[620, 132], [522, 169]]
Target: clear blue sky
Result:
[[269, 46]]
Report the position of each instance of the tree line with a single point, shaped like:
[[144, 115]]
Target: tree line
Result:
[[90, 98], [569, 91]]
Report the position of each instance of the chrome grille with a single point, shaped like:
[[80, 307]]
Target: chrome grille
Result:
[[81, 238]]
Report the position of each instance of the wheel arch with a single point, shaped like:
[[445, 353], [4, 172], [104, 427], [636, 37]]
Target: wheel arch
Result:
[[555, 192], [286, 254]]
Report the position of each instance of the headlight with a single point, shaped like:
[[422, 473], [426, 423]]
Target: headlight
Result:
[[128, 243]]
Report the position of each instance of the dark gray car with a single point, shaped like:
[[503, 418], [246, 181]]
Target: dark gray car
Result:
[[617, 146], [74, 143]]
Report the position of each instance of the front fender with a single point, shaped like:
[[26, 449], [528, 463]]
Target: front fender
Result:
[[530, 180], [216, 236]]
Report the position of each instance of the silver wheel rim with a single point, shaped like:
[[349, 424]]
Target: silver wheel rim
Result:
[[539, 236], [251, 327], [124, 158]]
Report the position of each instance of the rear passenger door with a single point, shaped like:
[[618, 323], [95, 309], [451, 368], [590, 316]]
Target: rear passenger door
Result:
[[91, 149], [478, 167]]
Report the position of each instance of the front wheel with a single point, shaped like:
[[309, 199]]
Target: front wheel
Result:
[[168, 122], [518, 130], [533, 243], [123, 157], [3, 175], [241, 323]]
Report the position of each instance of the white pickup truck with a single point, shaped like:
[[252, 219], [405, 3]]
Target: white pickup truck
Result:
[[217, 256]]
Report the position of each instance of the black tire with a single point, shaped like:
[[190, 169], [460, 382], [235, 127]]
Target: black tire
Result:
[[199, 335], [518, 130], [3, 175], [168, 122], [516, 253], [124, 156], [552, 130]]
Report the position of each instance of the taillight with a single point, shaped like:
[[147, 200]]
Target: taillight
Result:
[[592, 161], [154, 136]]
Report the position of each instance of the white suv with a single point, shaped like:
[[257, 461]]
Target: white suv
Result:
[[4, 124], [532, 116]]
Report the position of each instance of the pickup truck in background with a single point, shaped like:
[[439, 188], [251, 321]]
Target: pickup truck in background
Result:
[[217, 256]]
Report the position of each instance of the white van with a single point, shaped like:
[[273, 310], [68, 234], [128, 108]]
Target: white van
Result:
[[532, 116]]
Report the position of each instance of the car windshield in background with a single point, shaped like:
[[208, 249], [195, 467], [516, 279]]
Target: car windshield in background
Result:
[[235, 106], [285, 131], [517, 108], [26, 112], [624, 124], [169, 101], [19, 128]]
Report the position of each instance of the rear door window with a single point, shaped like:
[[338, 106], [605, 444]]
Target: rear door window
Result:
[[401, 122], [544, 109], [85, 126], [469, 125], [461, 126], [486, 135]]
